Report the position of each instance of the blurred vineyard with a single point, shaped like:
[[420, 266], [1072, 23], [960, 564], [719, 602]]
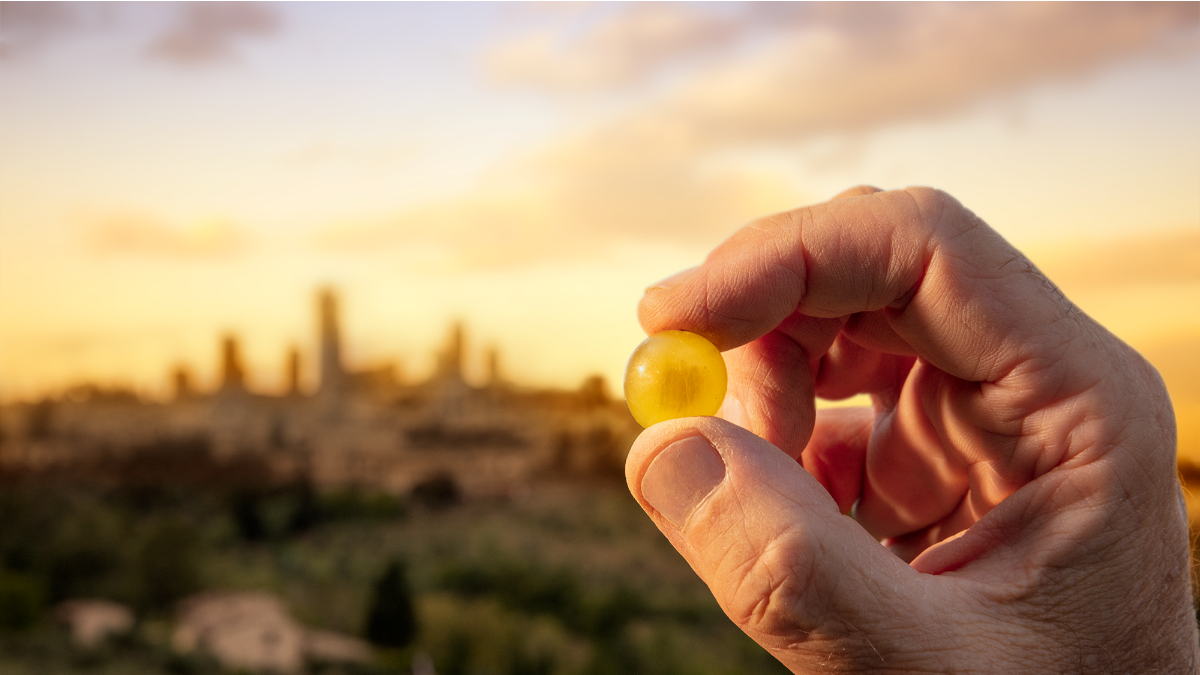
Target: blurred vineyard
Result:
[[569, 578]]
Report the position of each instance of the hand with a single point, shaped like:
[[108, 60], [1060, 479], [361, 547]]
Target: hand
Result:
[[1018, 464]]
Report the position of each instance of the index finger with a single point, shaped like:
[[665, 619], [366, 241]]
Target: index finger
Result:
[[953, 289]]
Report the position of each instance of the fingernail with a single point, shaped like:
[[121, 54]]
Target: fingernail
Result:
[[673, 280], [734, 412], [682, 475]]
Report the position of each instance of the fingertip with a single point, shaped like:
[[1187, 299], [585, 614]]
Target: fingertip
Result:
[[738, 449], [674, 304], [673, 280], [656, 438], [681, 476]]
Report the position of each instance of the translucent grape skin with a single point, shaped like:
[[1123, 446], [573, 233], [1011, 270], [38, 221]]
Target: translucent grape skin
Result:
[[674, 374]]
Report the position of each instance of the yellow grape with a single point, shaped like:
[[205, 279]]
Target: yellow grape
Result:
[[674, 374]]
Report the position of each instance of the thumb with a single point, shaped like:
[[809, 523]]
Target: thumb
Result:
[[800, 578]]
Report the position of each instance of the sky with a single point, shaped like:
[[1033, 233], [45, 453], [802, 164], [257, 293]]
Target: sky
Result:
[[173, 172]]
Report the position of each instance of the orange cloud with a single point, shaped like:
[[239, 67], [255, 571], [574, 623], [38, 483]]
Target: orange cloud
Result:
[[931, 60], [618, 50], [846, 66], [141, 235], [648, 174], [663, 172], [206, 32]]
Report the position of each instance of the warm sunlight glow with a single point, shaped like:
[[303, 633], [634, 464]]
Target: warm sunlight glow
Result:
[[166, 180]]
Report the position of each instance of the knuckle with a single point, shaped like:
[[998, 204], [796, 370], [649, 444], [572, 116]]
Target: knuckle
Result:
[[938, 208], [930, 197], [770, 592]]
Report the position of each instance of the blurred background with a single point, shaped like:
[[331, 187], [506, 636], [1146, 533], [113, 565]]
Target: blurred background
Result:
[[316, 313]]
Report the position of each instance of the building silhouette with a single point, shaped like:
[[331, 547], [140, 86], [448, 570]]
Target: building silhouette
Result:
[[450, 363], [332, 383], [181, 382], [363, 427], [233, 374], [292, 371]]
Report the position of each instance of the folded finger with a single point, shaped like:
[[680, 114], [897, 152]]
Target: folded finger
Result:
[[836, 454]]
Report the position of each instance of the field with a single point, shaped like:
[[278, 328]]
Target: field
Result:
[[570, 577]]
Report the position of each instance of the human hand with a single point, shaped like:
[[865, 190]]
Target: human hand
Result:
[[1018, 465]]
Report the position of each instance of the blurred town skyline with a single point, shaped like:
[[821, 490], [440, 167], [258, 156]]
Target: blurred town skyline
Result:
[[174, 172]]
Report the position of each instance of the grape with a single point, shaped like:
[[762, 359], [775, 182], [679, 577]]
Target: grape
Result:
[[674, 374]]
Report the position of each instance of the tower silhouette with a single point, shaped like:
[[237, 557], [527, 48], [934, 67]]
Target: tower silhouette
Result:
[[493, 367], [233, 375], [292, 371], [181, 379], [451, 366], [333, 377]]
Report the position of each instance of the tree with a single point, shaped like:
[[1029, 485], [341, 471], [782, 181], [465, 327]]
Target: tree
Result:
[[391, 621]]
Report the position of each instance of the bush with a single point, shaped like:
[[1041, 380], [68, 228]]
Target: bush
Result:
[[559, 593], [21, 601], [247, 517], [615, 611], [353, 504], [167, 565], [465, 637], [82, 553], [391, 620], [306, 513]]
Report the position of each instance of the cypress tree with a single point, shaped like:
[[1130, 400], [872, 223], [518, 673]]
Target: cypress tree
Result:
[[391, 621]]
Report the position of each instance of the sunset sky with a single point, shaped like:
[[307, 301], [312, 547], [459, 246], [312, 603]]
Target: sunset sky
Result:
[[171, 172]]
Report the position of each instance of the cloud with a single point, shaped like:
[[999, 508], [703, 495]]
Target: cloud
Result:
[[923, 61], [133, 234], [207, 32], [192, 33], [675, 169], [619, 49], [572, 216], [798, 69], [26, 26]]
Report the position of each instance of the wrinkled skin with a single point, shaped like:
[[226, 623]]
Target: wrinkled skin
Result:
[[1014, 495]]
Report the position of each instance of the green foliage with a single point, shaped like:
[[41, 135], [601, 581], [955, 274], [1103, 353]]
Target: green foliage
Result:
[[354, 504], [306, 511], [466, 637], [528, 587], [391, 620], [74, 545], [167, 565], [559, 583], [274, 515], [614, 611], [457, 659], [198, 662], [21, 600], [246, 510]]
